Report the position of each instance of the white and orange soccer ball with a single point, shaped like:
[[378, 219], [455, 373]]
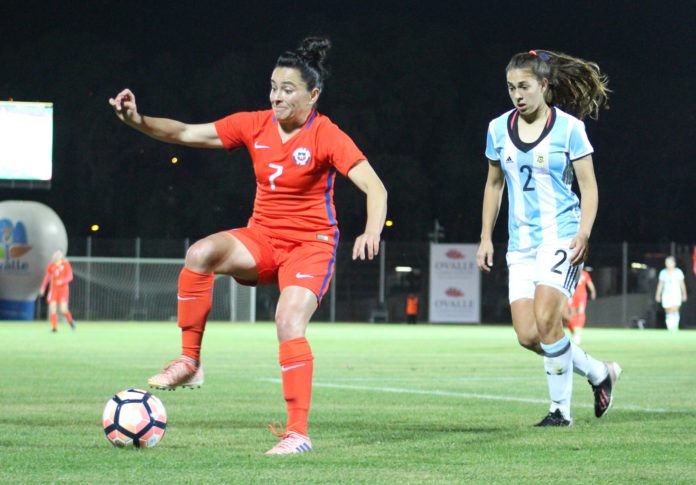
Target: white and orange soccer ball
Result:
[[134, 418]]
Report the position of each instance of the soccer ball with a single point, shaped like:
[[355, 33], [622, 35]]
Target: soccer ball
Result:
[[134, 418]]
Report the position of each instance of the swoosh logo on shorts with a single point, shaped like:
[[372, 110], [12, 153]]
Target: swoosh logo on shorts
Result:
[[300, 276]]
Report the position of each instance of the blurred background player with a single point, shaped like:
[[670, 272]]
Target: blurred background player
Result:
[[292, 236], [574, 314], [671, 292], [58, 275], [535, 148], [412, 304]]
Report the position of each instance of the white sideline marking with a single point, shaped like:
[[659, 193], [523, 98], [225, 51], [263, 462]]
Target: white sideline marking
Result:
[[465, 395]]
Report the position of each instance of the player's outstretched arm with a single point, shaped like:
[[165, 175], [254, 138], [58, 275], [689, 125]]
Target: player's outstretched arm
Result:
[[589, 200], [492, 197], [364, 176], [164, 129]]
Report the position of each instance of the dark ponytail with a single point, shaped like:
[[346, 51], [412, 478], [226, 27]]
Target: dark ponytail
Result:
[[309, 60], [575, 85]]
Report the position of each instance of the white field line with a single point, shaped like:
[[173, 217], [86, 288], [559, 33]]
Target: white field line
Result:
[[463, 395]]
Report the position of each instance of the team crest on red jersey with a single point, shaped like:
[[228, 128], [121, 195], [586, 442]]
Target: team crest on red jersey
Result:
[[301, 156]]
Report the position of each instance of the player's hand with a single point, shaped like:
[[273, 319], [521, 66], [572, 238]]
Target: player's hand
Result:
[[125, 108], [581, 247], [366, 244], [658, 299], [484, 256]]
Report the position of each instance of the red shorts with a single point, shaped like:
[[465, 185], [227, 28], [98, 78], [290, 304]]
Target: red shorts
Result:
[[309, 264], [58, 294]]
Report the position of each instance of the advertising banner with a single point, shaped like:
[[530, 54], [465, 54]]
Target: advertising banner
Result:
[[455, 284]]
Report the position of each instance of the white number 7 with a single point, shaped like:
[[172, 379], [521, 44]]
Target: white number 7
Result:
[[275, 175]]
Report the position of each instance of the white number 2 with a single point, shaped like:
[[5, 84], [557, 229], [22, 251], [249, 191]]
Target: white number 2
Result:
[[275, 175]]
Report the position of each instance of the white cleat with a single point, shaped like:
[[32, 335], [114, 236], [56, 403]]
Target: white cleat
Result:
[[291, 443]]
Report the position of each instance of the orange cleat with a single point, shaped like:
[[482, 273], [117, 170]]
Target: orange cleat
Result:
[[178, 373]]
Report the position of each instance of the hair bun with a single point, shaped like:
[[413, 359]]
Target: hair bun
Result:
[[314, 49]]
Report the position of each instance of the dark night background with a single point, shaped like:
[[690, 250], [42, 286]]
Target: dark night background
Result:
[[414, 84]]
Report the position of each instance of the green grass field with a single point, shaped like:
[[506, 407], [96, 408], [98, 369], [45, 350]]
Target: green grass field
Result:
[[392, 404]]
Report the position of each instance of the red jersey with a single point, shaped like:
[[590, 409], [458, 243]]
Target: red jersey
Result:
[[295, 179], [59, 273]]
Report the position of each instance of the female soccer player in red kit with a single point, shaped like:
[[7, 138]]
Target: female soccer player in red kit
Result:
[[59, 274], [291, 237]]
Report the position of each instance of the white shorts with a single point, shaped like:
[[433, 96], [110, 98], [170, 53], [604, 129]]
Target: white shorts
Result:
[[670, 300], [548, 264]]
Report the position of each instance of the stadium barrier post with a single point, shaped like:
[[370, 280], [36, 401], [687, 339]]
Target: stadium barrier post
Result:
[[88, 293], [136, 273], [252, 305], [382, 272], [233, 300], [624, 281]]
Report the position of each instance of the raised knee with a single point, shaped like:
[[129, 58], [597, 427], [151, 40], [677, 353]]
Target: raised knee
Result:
[[201, 256]]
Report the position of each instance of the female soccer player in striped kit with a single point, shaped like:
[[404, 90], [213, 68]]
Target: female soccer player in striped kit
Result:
[[535, 148], [292, 236], [671, 292]]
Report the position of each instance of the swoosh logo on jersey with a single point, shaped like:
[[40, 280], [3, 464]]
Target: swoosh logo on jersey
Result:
[[182, 298], [300, 276], [257, 145], [285, 368]]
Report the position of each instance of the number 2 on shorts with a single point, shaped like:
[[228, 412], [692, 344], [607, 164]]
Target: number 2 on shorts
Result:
[[564, 256]]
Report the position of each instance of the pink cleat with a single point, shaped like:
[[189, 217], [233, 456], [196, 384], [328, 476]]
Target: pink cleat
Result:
[[291, 444], [178, 373]]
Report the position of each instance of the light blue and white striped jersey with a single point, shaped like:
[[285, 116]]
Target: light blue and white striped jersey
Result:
[[671, 283], [539, 176]]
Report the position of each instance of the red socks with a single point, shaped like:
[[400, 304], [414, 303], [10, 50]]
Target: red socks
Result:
[[54, 321], [68, 317], [297, 364], [195, 298]]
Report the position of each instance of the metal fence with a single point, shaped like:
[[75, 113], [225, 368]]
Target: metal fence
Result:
[[136, 279]]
